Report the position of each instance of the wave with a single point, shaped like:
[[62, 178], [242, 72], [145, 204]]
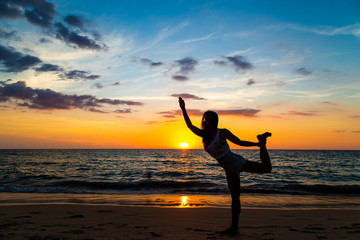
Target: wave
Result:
[[172, 171], [142, 184], [169, 186], [300, 189]]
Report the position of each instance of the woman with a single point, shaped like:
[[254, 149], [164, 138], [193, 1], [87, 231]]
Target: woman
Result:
[[214, 140]]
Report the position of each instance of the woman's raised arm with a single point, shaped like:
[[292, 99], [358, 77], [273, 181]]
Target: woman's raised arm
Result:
[[194, 129], [232, 138]]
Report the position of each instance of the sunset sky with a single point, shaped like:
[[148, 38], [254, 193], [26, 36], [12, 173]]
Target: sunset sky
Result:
[[107, 74]]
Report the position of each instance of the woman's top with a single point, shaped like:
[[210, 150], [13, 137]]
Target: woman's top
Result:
[[217, 148]]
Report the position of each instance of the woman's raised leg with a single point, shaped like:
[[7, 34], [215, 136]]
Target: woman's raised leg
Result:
[[265, 165]]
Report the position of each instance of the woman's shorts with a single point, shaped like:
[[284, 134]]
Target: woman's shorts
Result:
[[232, 163]]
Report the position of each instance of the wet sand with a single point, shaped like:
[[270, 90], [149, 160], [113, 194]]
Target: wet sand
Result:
[[71, 221]]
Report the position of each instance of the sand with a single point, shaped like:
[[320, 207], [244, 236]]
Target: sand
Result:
[[71, 221]]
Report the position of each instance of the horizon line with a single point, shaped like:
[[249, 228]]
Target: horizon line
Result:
[[280, 149]]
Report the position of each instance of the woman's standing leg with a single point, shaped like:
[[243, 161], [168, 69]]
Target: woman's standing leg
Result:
[[233, 181]]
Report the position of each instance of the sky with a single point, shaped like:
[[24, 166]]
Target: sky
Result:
[[108, 74]]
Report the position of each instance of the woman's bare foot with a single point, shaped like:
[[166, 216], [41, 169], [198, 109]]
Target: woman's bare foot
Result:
[[262, 137], [230, 230]]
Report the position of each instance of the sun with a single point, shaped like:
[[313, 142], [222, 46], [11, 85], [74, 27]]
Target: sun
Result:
[[184, 145]]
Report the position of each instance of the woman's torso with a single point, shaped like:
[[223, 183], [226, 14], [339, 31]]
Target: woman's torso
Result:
[[218, 147]]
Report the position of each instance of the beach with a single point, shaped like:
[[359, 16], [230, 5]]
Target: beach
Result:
[[76, 221], [175, 194]]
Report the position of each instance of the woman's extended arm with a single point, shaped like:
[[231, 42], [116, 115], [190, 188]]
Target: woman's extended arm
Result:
[[232, 138], [194, 129]]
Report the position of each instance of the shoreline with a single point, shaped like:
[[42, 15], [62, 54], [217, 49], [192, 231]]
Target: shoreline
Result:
[[77, 221], [248, 201]]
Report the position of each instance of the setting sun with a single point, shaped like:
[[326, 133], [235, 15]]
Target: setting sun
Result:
[[184, 202], [184, 145]]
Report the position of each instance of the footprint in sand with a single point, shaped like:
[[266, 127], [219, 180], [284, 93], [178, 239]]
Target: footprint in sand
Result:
[[154, 234], [105, 211], [75, 232], [76, 216]]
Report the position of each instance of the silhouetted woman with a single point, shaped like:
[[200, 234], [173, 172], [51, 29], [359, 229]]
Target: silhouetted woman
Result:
[[214, 140]]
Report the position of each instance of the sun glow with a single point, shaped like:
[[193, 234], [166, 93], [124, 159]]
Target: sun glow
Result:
[[184, 145], [184, 202]]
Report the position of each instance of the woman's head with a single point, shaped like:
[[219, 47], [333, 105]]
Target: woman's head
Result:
[[210, 119]]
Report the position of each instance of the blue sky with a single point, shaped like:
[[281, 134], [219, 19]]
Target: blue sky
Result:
[[269, 59]]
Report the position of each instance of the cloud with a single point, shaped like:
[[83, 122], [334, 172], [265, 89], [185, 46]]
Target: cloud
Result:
[[250, 82], [9, 11], [10, 35], [78, 75], [74, 74], [168, 116], [81, 23], [73, 39], [194, 112], [4, 82], [44, 40], [183, 67], [75, 21], [38, 12], [353, 29], [49, 68], [41, 13], [186, 65], [41, 17], [180, 78], [331, 103], [187, 96], [240, 62], [310, 113], [303, 71], [209, 36], [164, 34], [152, 122], [16, 90], [149, 62], [14, 61], [96, 110], [169, 113], [245, 112], [237, 61], [339, 131], [220, 63], [98, 85], [127, 110], [344, 131], [357, 116], [118, 102], [49, 99]]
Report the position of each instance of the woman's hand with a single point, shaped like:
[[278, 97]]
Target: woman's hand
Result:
[[194, 129], [181, 103]]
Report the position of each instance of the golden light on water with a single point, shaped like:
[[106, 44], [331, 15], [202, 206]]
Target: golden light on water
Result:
[[184, 145]]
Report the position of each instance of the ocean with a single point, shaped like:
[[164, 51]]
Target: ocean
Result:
[[178, 178]]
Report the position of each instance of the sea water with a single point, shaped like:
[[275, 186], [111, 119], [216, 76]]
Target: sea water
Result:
[[300, 178]]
